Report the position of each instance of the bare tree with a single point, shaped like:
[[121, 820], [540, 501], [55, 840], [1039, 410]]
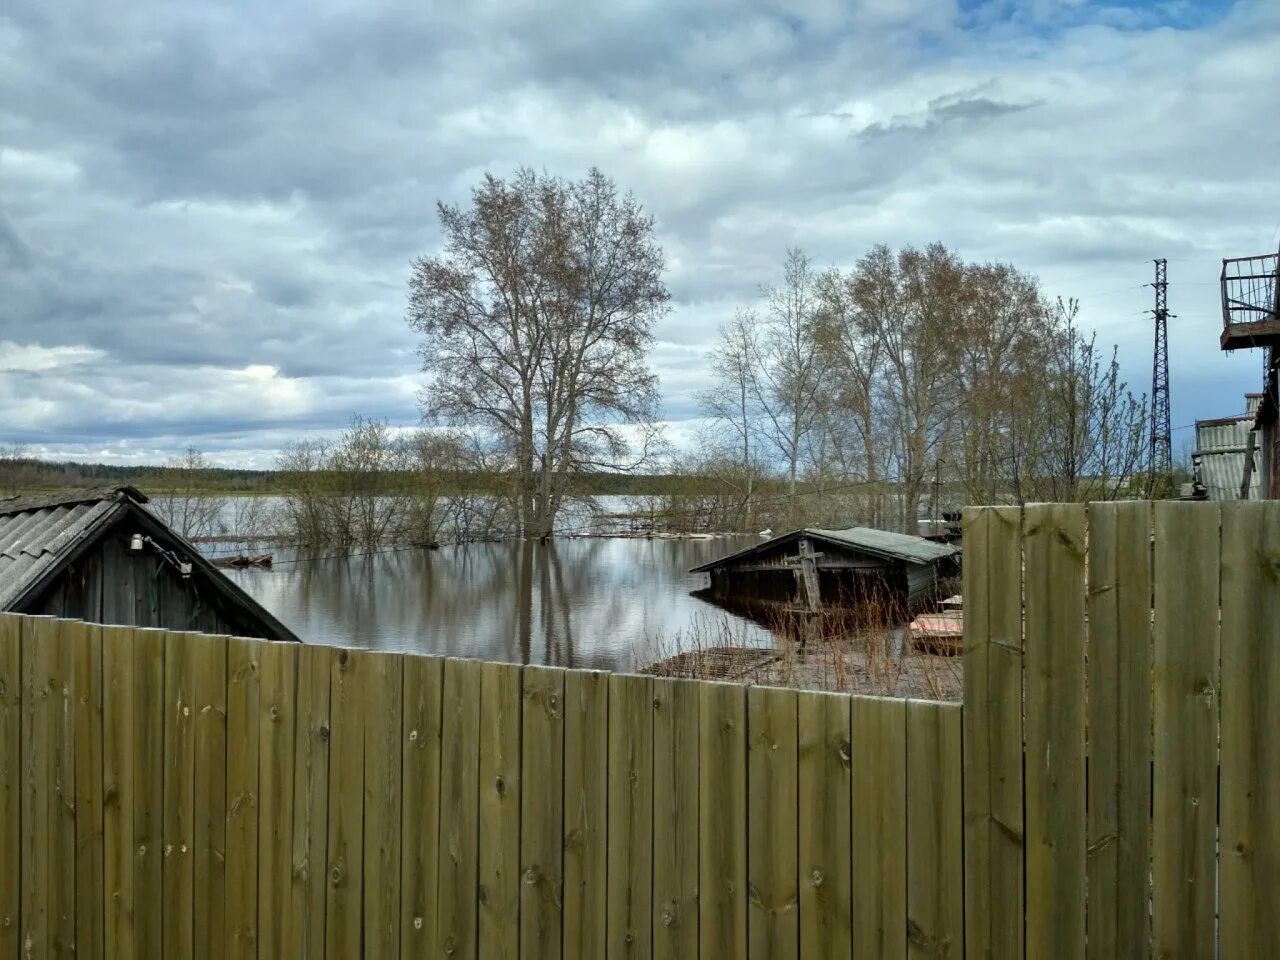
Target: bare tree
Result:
[[789, 379], [537, 319], [184, 501], [856, 360], [909, 304], [732, 404], [1083, 438], [14, 463]]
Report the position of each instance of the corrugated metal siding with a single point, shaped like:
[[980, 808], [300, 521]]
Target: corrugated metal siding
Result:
[[31, 542], [1221, 448]]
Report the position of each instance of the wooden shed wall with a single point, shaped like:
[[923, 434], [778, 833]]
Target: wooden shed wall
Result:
[[114, 585]]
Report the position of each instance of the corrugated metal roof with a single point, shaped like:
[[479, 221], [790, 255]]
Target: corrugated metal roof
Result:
[[878, 543], [898, 546], [31, 541], [1221, 446]]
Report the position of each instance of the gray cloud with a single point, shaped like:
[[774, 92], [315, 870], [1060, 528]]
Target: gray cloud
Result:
[[216, 205]]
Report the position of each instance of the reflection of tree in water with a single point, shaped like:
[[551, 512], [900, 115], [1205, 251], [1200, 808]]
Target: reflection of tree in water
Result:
[[507, 601], [579, 602]]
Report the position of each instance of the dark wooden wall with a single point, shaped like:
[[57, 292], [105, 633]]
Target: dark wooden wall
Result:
[[115, 585]]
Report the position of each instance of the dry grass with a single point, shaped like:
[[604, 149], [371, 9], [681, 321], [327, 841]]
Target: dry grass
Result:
[[857, 652]]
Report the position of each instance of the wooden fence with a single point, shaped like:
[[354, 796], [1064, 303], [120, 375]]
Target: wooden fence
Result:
[[1146, 641], [183, 795]]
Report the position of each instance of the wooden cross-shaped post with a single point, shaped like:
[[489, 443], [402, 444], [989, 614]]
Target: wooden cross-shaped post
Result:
[[809, 575]]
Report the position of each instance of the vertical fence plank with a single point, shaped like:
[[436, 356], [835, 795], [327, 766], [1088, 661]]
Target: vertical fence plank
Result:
[[1054, 597], [541, 812], [244, 672], [773, 922], [178, 864], [148, 789], [935, 832], [630, 823], [879, 827], [37, 647], [420, 822], [1118, 837], [675, 819], [824, 813], [209, 818], [10, 779], [459, 813], [305, 929], [382, 691], [499, 786], [993, 733], [722, 821], [62, 801], [344, 896], [117, 792], [87, 684], [1186, 728], [277, 693], [586, 766], [1250, 845]]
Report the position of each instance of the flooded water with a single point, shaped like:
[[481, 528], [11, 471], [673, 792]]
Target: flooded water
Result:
[[591, 602]]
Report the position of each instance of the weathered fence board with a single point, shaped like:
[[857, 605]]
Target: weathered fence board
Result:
[[35, 785], [773, 896], [1184, 816], [117, 792], [62, 810], [1250, 844], [499, 786], [420, 821], [1118, 828], [345, 896], [630, 818], [722, 821], [382, 689], [277, 726], [879, 831], [148, 790], [459, 872], [935, 832], [209, 817], [87, 699], [675, 810], [993, 733], [11, 741], [586, 764], [1053, 654], [541, 813], [178, 865], [824, 812]]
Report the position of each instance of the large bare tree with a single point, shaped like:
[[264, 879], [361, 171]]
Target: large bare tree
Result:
[[537, 318]]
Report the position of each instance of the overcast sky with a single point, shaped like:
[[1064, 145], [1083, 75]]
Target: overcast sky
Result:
[[208, 209]]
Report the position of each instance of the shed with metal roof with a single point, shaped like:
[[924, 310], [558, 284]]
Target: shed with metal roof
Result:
[[101, 556], [815, 569]]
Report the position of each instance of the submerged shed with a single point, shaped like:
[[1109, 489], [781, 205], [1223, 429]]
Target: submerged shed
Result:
[[99, 555], [811, 570]]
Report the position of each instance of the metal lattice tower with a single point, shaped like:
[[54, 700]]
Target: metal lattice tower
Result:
[[1160, 458]]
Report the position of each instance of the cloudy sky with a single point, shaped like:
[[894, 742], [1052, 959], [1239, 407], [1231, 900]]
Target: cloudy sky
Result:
[[208, 209]]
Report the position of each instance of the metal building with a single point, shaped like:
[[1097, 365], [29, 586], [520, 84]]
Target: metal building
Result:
[[1227, 456]]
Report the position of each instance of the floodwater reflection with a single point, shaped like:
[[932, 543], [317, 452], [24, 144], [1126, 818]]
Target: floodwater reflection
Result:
[[598, 603]]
